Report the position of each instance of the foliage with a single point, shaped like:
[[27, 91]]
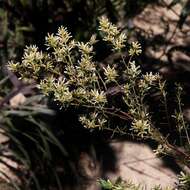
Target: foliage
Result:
[[126, 185], [184, 181], [30, 142]]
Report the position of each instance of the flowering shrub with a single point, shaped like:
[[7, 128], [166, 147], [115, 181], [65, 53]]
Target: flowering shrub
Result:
[[68, 72]]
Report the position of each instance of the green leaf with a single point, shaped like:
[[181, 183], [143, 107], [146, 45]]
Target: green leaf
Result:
[[106, 184]]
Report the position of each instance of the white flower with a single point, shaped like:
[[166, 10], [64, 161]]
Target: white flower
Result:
[[149, 77], [133, 71], [98, 97], [141, 126], [85, 48], [61, 92], [110, 74], [63, 34], [135, 49]]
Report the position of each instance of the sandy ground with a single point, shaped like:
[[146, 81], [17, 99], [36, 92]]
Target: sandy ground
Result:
[[138, 163]]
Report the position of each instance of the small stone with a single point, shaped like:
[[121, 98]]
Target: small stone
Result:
[[17, 100]]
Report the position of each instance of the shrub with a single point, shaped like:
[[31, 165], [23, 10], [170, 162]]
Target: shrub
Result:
[[68, 72]]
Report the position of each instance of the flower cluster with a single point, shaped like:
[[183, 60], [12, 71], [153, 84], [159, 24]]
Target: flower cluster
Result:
[[150, 77], [132, 70], [112, 34], [141, 127], [135, 49], [110, 74], [92, 121]]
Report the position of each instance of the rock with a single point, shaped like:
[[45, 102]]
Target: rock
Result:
[[17, 100]]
